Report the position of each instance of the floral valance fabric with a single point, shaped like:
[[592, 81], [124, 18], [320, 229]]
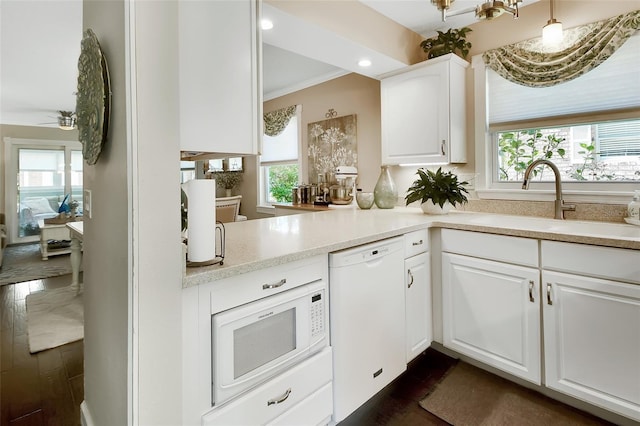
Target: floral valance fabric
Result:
[[532, 64], [276, 121]]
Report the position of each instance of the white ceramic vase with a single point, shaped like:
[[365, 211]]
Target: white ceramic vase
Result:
[[429, 208]]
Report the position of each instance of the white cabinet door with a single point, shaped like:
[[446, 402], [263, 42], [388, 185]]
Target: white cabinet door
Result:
[[220, 93], [491, 313], [423, 113], [418, 304], [592, 340]]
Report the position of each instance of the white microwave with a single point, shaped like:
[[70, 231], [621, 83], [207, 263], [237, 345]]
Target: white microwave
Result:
[[256, 341]]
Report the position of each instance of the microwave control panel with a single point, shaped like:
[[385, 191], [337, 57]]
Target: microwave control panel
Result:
[[317, 314]]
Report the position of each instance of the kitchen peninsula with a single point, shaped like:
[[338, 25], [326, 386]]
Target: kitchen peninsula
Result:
[[256, 244], [463, 249]]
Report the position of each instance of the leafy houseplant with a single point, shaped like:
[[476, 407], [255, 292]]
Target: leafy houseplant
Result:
[[438, 186], [227, 179], [452, 41]]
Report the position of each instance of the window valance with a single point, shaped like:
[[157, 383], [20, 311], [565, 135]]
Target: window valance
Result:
[[276, 121], [530, 63]]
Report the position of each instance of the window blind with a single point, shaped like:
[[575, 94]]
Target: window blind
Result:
[[612, 86], [283, 147]]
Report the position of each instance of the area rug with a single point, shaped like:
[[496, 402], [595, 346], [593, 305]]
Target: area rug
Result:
[[54, 317], [468, 395], [23, 262]]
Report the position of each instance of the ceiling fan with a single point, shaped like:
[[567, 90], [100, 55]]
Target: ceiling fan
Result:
[[488, 10], [66, 120]]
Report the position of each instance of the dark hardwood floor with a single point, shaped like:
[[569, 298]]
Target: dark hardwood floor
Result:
[[45, 388]]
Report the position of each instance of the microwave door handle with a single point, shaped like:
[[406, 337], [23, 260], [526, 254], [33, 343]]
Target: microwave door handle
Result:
[[279, 399]]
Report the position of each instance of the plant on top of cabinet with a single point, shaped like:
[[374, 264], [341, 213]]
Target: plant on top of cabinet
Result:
[[452, 41], [440, 187]]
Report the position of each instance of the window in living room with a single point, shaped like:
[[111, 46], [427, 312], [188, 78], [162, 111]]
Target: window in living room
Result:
[[40, 176]]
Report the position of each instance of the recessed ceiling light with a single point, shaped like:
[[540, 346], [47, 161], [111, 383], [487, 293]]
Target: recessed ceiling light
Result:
[[364, 63], [266, 24]]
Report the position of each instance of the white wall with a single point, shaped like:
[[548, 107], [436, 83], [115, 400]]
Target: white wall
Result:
[[106, 235], [132, 268], [157, 273]]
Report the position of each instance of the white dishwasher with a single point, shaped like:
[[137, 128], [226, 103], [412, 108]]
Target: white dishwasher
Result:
[[367, 317]]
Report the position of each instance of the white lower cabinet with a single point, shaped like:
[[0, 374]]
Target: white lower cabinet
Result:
[[309, 411], [491, 313], [299, 396], [417, 293], [588, 300], [592, 340], [418, 304]]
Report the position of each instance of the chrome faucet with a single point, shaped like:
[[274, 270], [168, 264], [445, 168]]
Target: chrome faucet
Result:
[[560, 206]]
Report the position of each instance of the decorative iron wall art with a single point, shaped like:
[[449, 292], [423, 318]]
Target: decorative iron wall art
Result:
[[331, 143]]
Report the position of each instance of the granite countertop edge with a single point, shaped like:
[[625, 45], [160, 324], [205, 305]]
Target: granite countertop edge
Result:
[[408, 220]]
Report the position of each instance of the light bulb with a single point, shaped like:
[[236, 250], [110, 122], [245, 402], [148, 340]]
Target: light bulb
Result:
[[552, 32]]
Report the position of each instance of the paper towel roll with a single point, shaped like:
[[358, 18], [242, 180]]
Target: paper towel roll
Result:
[[201, 217]]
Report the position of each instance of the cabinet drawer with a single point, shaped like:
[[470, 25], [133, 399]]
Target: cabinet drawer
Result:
[[416, 242], [254, 408], [235, 291], [603, 262], [501, 248], [316, 409]]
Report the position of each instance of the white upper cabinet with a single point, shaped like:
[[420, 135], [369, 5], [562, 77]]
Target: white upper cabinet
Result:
[[220, 76], [423, 113]]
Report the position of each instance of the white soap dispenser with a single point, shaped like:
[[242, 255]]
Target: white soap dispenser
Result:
[[633, 208]]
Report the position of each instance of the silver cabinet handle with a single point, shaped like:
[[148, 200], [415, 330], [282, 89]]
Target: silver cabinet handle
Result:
[[417, 243], [549, 301], [279, 399], [410, 276], [276, 285], [531, 298], [442, 145]]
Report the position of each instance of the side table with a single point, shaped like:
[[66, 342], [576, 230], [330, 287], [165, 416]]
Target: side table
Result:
[[77, 235], [57, 231]]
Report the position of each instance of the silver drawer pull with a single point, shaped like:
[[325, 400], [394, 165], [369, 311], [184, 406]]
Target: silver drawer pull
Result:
[[418, 243], [442, 147], [531, 298], [280, 398], [410, 276], [549, 301], [276, 285]]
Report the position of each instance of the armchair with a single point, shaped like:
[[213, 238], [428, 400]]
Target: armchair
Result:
[[228, 209]]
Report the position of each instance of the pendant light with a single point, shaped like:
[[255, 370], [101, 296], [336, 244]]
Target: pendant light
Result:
[[486, 11], [552, 32]]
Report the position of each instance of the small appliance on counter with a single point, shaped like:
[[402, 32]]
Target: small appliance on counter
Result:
[[343, 192]]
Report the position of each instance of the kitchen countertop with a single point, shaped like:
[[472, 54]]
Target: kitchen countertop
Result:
[[261, 243]]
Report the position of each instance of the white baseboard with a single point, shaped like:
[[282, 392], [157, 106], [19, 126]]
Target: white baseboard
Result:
[[85, 415]]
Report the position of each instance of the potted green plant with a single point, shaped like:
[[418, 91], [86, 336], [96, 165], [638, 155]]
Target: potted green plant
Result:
[[227, 180], [442, 188], [452, 41]]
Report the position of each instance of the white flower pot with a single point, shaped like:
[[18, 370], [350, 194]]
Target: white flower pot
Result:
[[429, 208]]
